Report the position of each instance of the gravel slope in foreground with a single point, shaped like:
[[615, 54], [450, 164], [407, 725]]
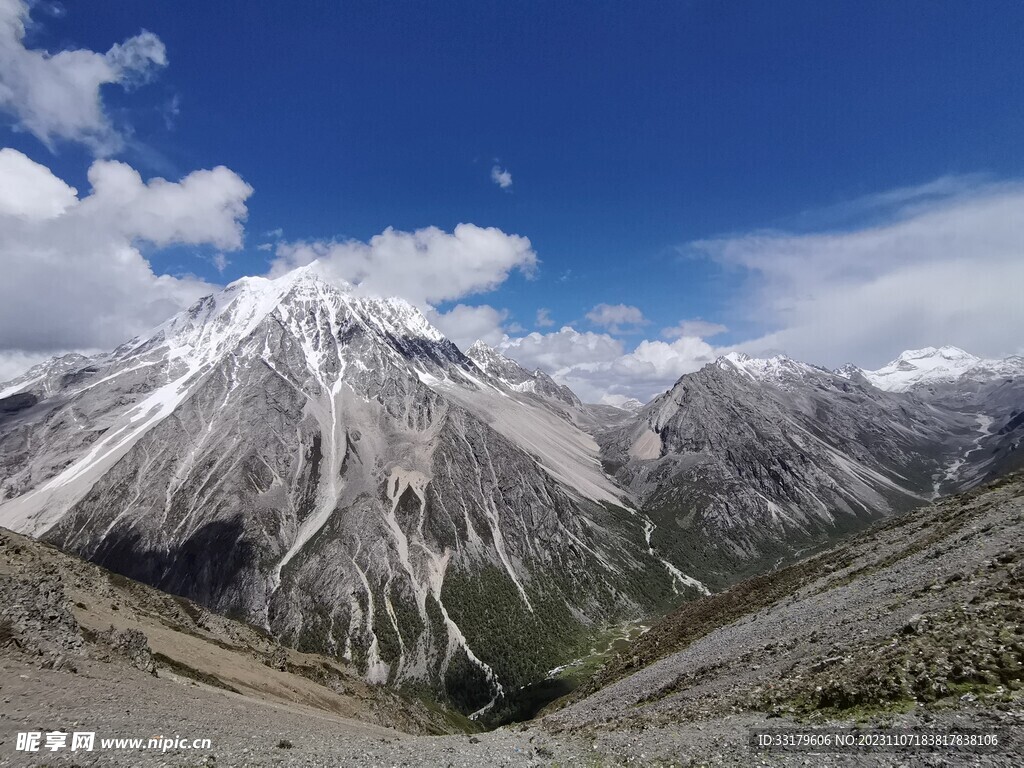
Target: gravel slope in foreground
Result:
[[915, 624]]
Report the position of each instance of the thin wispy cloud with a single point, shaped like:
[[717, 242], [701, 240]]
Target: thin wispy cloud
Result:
[[617, 318], [695, 328], [220, 262], [171, 110], [887, 206], [941, 271]]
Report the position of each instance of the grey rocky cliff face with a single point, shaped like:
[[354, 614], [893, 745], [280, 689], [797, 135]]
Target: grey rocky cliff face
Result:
[[333, 468]]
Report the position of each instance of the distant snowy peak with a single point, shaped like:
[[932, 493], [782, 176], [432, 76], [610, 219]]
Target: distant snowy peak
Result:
[[47, 377], [848, 371], [777, 368], [913, 368], [932, 365], [622, 402]]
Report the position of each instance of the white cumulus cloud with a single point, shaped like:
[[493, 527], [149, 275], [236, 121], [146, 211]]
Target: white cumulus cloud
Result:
[[29, 191], [465, 324], [426, 267], [561, 350], [73, 274], [58, 95], [599, 368], [648, 370]]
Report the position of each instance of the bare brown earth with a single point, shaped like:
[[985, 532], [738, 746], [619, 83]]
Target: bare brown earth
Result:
[[915, 624]]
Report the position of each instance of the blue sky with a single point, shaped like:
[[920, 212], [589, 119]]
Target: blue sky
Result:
[[631, 133]]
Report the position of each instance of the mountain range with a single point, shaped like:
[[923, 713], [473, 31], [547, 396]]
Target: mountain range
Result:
[[328, 466]]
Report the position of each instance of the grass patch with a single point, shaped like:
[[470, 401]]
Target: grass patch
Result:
[[456, 721], [193, 611], [190, 672]]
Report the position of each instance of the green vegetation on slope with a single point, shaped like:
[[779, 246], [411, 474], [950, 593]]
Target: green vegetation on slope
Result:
[[520, 645]]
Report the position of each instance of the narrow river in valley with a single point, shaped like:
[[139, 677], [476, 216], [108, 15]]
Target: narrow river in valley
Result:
[[953, 468]]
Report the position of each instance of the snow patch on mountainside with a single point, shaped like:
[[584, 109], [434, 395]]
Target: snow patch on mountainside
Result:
[[776, 368]]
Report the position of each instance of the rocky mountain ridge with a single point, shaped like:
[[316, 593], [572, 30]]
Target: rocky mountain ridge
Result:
[[746, 461], [513, 375], [913, 624]]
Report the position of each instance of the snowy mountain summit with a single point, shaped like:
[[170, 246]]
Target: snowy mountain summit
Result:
[[942, 365]]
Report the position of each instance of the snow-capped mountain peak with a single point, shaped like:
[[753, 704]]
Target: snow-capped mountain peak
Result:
[[934, 365], [216, 324], [736, 358], [622, 402], [932, 357], [848, 371], [485, 356], [952, 359]]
